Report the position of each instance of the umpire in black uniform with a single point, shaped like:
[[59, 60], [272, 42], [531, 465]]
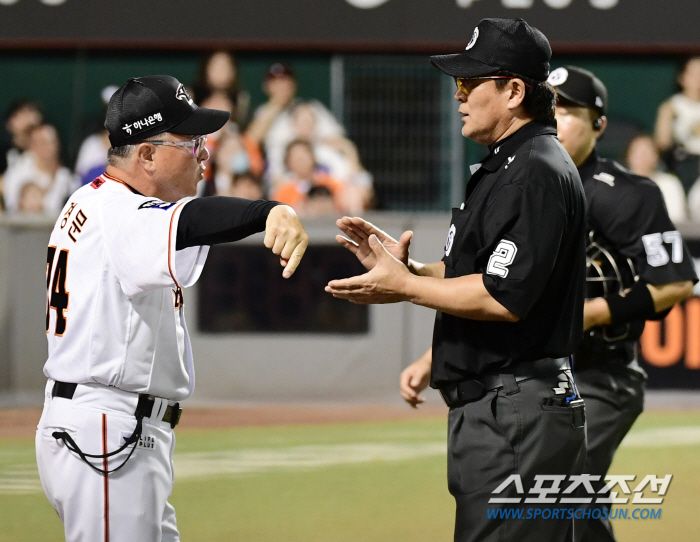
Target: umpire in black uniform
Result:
[[509, 291], [638, 267]]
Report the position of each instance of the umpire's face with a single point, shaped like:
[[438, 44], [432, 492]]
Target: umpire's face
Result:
[[575, 131], [487, 110]]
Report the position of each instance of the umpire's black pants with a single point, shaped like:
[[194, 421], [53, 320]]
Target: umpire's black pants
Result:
[[510, 431], [613, 402]]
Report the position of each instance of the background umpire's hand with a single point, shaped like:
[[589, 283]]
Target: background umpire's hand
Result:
[[286, 236], [358, 231], [415, 378]]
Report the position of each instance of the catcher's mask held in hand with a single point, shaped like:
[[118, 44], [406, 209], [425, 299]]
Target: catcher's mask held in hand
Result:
[[607, 276]]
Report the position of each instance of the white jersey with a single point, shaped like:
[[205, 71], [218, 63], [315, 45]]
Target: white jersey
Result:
[[686, 122], [114, 306]]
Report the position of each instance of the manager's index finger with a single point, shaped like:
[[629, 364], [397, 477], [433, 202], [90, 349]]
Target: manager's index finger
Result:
[[295, 259], [292, 241]]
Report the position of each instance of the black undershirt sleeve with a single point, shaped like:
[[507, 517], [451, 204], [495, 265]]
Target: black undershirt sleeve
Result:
[[636, 305], [219, 219]]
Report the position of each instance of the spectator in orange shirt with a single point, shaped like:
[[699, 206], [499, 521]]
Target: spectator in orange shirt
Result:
[[303, 174]]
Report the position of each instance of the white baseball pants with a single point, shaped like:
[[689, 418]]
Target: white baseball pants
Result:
[[130, 505]]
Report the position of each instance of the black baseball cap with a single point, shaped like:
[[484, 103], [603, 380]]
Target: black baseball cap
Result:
[[151, 105], [580, 87], [500, 45]]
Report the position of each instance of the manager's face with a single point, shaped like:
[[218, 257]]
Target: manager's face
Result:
[[180, 168]]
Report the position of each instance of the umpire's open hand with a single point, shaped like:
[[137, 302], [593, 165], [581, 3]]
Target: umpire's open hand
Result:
[[286, 236], [358, 231], [384, 283]]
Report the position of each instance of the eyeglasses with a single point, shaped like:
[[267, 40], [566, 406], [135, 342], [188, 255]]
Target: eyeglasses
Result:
[[196, 144], [465, 87]]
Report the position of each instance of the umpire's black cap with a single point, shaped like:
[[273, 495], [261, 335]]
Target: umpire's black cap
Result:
[[580, 87], [151, 105], [500, 45]]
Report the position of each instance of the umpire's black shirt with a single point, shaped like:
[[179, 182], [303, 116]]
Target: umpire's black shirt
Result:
[[522, 226]]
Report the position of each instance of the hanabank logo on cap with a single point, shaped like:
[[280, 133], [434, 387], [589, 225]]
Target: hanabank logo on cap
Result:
[[182, 94], [142, 124]]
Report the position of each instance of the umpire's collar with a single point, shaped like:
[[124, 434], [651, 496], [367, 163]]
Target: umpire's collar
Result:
[[587, 169], [504, 148]]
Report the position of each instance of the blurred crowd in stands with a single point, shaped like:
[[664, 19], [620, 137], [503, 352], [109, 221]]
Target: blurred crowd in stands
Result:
[[295, 151], [289, 149]]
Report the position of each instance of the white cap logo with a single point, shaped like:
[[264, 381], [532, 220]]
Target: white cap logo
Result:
[[599, 101], [366, 4], [558, 77], [472, 41], [182, 94], [450, 239]]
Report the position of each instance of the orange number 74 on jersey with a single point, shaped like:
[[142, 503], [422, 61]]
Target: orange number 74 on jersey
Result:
[[56, 297]]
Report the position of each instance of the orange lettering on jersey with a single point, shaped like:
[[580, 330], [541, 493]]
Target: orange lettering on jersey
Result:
[[66, 215], [692, 333], [662, 346], [78, 222]]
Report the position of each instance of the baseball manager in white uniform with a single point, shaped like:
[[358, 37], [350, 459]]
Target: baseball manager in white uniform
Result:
[[119, 355]]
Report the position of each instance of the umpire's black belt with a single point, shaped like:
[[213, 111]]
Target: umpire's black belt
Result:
[[456, 395], [143, 408]]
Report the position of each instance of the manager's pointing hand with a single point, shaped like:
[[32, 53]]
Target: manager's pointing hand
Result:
[[286, 236]]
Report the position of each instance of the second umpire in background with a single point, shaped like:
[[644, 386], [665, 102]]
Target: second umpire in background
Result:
[[508, 292], [637, 268]]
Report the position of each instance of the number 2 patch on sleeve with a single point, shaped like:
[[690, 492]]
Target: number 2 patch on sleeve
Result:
[[501, 258]]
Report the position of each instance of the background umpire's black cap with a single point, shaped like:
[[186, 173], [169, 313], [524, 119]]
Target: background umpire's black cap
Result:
[[580, 87], [151, 105], [500, 45]]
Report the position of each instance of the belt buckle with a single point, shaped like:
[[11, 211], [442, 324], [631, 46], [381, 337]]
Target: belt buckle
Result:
[[465, 392], [470, 390]]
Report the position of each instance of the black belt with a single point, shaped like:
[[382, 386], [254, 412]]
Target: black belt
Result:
[[467, 391], [144, 407]]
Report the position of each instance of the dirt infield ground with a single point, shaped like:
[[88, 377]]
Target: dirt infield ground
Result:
[[21, 422]]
